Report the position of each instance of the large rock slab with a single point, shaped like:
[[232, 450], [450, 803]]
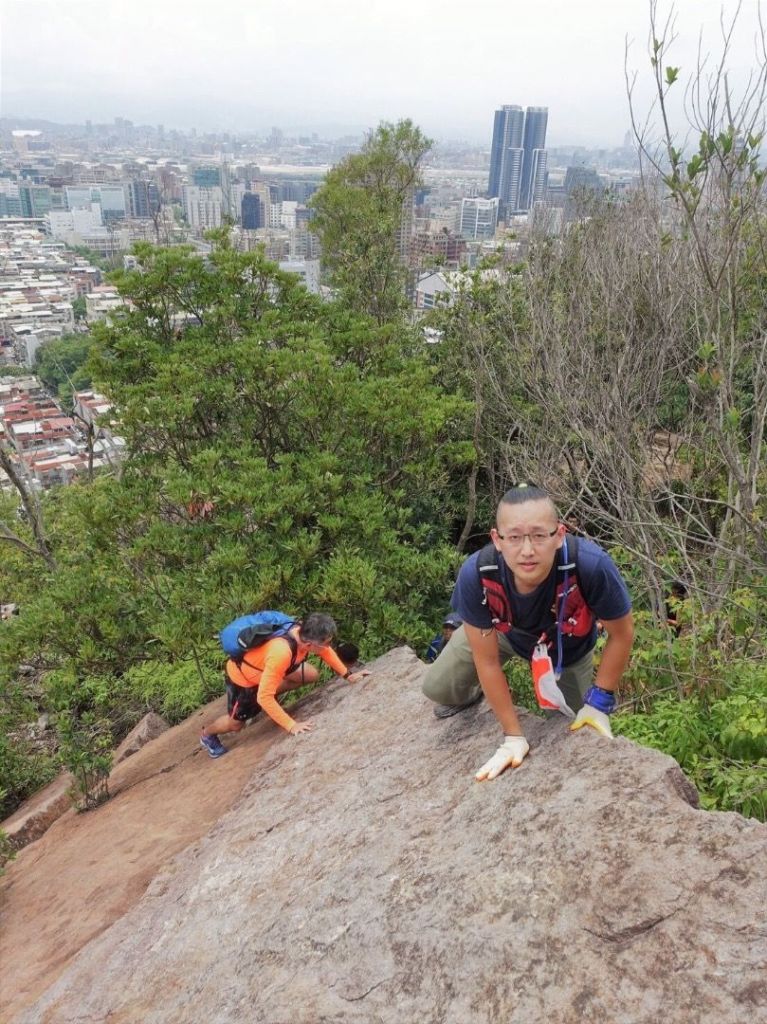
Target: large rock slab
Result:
[[365, 877]]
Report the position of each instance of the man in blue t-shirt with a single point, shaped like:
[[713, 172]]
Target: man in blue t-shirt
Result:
[[534, 585]]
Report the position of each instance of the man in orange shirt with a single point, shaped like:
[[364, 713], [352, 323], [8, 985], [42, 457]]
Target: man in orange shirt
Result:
[[279, 665]]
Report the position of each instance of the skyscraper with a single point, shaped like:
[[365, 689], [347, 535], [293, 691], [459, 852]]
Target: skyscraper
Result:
[[506, 156], [518, 157], [252, 211], [534, 167]]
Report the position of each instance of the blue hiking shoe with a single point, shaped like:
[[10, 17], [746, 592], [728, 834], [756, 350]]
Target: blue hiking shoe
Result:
[[213, 745]]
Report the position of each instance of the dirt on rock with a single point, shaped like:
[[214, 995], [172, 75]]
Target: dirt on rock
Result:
[[89, 869]]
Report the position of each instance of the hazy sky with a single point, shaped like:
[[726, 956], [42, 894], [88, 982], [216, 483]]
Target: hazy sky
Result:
[[332, 65]]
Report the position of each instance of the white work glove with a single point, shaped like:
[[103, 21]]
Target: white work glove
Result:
[[596, 719], [511, 752]]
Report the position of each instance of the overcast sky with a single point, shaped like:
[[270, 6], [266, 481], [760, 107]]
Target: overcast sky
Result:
[[335, 65]]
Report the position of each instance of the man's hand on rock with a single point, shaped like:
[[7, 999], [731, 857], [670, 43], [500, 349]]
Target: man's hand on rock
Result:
[[597, 707], [512, 752]]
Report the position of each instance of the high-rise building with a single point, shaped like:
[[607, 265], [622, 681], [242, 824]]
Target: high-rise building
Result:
[[203, 207], [265, 195], [252, 212], [506, 156], [518, 157], [10, 200], [35, 200], [143, 198], [534, 166], [582, 179], [110, 197]]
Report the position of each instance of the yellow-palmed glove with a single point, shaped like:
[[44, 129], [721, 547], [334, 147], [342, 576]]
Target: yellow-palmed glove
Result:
[[598, 705], [512, 752]]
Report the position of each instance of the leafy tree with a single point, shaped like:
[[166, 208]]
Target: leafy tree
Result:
[[362, 217], [281, 452], [61, 365]]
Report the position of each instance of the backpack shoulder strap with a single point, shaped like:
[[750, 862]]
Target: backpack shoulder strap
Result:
[[487, 562], [494, 593], [570, 564]]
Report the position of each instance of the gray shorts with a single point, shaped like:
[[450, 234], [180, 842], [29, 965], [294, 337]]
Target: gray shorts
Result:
[[452, 678]]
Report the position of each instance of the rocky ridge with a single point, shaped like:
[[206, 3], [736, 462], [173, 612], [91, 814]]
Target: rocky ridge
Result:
[[363, 876]]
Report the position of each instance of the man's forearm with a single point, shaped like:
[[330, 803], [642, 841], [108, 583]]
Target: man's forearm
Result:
[[496, 690], [612, 665]]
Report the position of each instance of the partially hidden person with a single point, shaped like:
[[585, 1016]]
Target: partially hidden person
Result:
[[449, 626]]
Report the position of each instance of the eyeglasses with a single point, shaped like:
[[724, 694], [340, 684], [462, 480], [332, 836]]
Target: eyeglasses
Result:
[[516, 540]]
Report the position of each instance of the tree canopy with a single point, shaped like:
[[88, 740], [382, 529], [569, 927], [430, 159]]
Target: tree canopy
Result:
[[363, 214]]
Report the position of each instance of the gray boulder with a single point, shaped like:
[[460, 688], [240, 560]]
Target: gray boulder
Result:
[[149, 728], [365, 877]]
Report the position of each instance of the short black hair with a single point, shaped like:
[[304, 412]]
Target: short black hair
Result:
[[523, 492], [317, 628], [348, 652]]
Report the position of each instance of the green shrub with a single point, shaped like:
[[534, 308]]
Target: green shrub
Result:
[[176, 689], [86, 750], [22, 769], [721, 743]]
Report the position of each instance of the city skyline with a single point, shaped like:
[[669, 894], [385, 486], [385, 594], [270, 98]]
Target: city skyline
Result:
[[318, 69]]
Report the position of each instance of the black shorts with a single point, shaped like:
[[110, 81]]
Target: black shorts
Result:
[[241, 701]]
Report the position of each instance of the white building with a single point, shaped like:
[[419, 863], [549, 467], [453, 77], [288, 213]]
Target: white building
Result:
[[203, 207], [233, 200], [80, 220], [307, 270], [441, 287], [288, 215], [437, 289], [445, 218], [102, 301], [479, 218], [28, 339]]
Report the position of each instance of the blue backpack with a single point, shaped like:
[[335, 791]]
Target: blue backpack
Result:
[[249, 631]]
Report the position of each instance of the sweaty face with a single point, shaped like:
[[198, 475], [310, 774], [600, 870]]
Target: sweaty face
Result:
[[528, 536]]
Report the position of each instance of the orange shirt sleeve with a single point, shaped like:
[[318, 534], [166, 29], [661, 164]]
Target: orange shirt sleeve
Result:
[[277, 658], [330, 658]]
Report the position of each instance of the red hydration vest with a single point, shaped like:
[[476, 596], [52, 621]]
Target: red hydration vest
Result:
[[577, 620]]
